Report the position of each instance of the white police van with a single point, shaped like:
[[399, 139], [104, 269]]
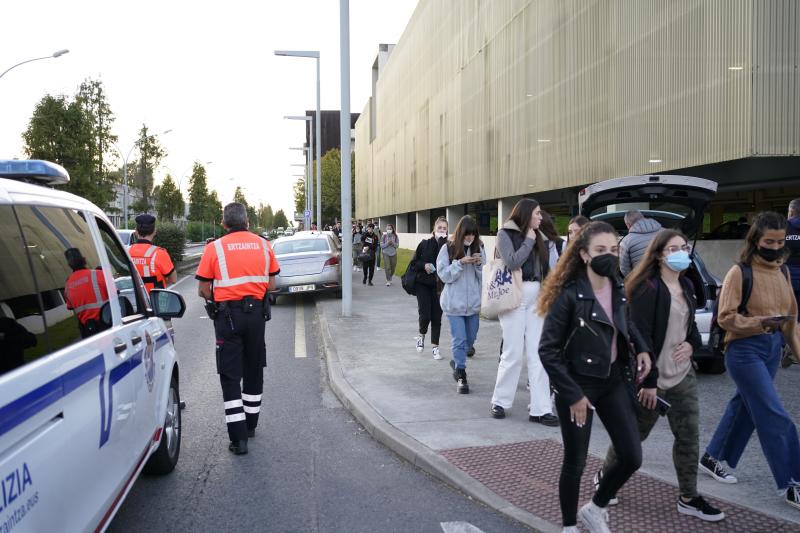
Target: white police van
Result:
[[82, 410]]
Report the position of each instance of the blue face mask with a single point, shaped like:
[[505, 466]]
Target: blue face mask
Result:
[[679, 261]]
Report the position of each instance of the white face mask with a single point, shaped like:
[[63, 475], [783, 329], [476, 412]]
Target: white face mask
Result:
[[389, 231], [467, 243], [441, 235]]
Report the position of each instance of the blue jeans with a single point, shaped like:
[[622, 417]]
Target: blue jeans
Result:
[[464, 331], [752, 364]]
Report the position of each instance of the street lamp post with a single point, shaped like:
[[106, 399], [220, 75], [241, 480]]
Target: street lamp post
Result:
[[315, 55], [344, 132], [125, 174], [59, 53]]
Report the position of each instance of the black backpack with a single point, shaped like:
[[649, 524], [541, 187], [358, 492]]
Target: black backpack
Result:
[[716, 338], [409, 279]]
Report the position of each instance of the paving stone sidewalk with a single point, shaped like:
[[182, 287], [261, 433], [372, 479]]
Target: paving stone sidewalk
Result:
[[408, 401]]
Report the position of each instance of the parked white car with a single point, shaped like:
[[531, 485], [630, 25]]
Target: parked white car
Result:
[[83, 410]]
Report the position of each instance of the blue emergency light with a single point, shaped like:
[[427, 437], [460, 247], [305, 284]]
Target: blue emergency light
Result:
[[34, 170]]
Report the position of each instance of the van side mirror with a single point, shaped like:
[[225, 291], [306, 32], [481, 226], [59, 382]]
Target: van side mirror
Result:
[[167, 304]]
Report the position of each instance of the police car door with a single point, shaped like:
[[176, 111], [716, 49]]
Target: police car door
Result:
[[63, 450], [148, 337]]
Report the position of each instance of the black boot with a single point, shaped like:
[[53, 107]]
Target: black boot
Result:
[[461, 381], [238, 447]]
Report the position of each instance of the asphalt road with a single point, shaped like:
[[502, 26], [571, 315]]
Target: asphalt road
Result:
[[311, 466]]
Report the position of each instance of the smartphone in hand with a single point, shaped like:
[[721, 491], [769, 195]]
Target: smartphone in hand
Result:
[[783, 318], [662, 406]]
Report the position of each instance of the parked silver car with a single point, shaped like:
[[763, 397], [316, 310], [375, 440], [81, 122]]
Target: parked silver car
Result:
[[310, 262], [677, 202]]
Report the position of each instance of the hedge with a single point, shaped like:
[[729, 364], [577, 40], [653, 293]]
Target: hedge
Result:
[[173, 239]]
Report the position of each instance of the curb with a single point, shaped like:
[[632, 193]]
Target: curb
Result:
[[410, 449]]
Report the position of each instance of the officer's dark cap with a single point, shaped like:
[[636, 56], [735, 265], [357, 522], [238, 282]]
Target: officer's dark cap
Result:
[[74, 258], [145, 224]]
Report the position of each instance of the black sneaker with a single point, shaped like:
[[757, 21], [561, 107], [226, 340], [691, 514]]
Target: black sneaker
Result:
[[599, 476], [251, 433], [239, 447], [471, 351], [461, 381], [793, 495], [546, 420], [497, 412], [701, 509], [713, 468]]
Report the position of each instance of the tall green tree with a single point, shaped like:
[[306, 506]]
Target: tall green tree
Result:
[[169, 200], [300, 195], [238, 196], [60, 130], [199, 200], [280, 220], [265, 215], [213, 212], [150, 155], [331, 186], [91, 97]]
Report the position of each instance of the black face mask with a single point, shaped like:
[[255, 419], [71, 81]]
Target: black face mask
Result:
[[768, 254], [606, 265]]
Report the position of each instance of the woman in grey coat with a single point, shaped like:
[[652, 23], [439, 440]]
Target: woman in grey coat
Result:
[[459, 267]]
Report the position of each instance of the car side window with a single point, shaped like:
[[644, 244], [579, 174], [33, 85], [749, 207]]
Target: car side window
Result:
[[131, 293], [22, 327], [65, 266]]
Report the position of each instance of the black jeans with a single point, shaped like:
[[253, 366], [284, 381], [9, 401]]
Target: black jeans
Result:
[[615, 407], [369, 269], [429, 312]]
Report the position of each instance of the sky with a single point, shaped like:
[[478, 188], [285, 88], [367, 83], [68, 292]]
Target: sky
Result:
[[203, 69]]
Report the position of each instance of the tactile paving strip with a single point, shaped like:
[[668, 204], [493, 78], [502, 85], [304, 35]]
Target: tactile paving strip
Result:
[[526, 474]]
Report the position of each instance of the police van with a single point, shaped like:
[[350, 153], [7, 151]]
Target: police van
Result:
[[89, 393]]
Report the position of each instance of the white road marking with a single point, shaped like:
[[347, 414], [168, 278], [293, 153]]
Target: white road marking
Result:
[[300, 330], [459, 527], [180, 281]]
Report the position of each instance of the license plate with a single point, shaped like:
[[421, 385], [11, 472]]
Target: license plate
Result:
[[301, 288]]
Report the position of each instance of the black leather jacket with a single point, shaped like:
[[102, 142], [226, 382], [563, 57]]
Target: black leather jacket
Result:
[[576, 338]]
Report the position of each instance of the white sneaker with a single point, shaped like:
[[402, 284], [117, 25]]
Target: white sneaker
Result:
[[436, 354], [595, 518], [378, 269], [420, 343], [388, 283], [571, 529]]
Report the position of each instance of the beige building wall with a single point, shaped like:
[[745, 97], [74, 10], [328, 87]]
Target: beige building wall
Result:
[[485, 99]]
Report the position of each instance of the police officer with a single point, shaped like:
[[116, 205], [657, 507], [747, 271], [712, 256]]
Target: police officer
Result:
[[793, 262], [153, 262], [85, 292], [235, 273]]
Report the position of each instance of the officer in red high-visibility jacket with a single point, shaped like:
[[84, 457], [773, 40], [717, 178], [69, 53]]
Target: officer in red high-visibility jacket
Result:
[[85, 292], [153, 262], [235, 273]]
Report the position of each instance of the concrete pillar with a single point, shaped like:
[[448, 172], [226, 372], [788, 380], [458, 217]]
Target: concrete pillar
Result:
[[454, 214], [424, 223], [401, 223], [504, 207]]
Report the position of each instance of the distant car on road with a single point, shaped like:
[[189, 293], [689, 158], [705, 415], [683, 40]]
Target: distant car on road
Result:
[[310, 262], [127, 237], [676, 202]]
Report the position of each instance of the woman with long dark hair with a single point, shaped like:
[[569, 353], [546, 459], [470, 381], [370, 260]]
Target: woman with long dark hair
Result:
[[555, 242], [756, 330], [523, 247], [430, 312], [663, 308], [459, 267], [585, 349], [574, 226]]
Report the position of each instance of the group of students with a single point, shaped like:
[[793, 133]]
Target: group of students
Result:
[[623, 351], [369, 245]]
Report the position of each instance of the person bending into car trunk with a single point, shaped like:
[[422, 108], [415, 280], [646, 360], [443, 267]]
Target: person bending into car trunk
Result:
[[585, 348], [663, 307], [427, 287], [755, 336]]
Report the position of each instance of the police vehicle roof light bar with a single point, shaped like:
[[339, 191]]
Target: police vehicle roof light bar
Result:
[[34, 170]]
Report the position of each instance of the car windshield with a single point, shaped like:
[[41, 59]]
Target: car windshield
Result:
[[301, 245]]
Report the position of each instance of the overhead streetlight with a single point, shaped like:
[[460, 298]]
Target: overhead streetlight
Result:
[[314, 54], [58, 53], [125, 172]]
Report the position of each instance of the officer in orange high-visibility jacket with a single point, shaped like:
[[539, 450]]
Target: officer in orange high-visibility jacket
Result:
[[85, 293], [153, 262], [235, 273]]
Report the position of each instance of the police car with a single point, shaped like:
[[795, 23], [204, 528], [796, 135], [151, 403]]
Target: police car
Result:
[[89, 392]]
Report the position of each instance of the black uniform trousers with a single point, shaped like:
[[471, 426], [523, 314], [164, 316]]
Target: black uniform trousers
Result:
[[241, 358]]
